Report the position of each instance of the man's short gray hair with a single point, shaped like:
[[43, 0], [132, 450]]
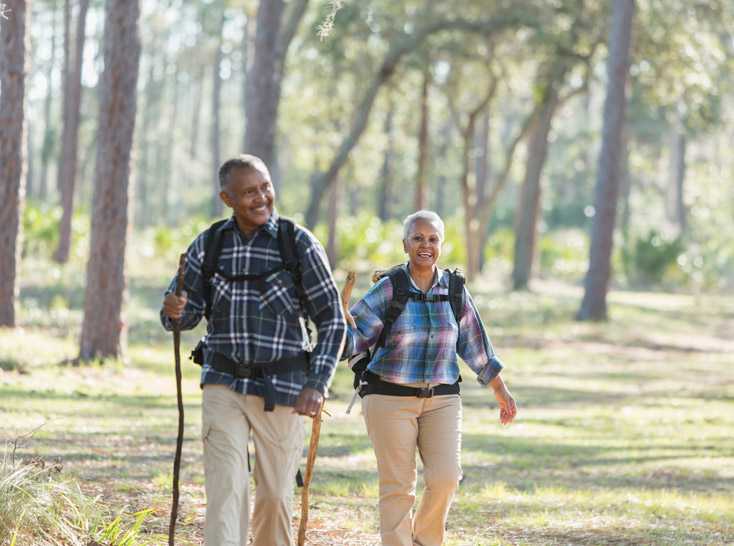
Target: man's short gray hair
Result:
[[247, 162], [428, 216]]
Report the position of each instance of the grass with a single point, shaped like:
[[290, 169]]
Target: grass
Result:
[[624, 434]]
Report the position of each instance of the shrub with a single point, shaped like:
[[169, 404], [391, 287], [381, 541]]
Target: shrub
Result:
[[652, 256]]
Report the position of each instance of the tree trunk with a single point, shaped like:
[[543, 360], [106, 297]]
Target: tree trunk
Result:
[[169, 162], [400, 46], [13, 59], [528, 210], [48, 145], [103, 328], [215, 136], [423, 144], [266, 74], [384, 194], [483, 173], [245, 51], [140, 210], [70, 133], [594, 303], [679, 177], [196, 112], [30, 163], [331, 245], [439, 204]]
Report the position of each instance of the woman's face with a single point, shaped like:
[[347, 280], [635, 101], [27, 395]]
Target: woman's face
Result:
[[423, 245]]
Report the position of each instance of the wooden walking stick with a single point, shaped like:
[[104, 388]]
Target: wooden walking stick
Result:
[[315, 432], [179, 399]]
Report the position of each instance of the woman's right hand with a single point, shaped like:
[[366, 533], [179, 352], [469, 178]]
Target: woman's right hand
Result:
[[173, 305]]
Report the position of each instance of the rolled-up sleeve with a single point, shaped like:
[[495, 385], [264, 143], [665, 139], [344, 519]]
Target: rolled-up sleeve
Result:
[[324, 308], [193, 282], [474, 346]]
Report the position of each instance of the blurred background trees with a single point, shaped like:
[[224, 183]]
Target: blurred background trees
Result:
[[489, 112]]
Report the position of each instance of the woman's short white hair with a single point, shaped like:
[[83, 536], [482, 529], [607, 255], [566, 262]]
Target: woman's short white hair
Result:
[[428, 216]]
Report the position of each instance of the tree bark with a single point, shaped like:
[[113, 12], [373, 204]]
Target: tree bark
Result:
[[103, 327], [13, 67], [48, 144], [331, 244], [423, 144], [528, 210], [678, 207], [140, 210], [169, 162], [384, 193], [70, 133], [482, 169], [400, 46], [196, 112], [266, 74], [246, 52], [215, 136], [594, 303]]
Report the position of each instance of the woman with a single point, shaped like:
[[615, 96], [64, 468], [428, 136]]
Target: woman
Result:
[[410, 387]]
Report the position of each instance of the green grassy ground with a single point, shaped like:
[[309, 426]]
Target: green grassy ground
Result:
[[624, 434]]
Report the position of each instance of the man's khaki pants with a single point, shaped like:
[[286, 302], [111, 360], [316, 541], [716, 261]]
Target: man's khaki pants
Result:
[[397, 425], [228, 418]]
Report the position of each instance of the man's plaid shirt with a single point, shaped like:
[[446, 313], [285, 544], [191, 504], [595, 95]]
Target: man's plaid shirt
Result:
[[249, 326]]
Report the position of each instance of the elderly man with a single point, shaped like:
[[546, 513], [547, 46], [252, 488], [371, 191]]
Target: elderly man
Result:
[[257, 278]]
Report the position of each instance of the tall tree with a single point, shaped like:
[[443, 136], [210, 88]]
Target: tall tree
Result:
[[405, 42], [272, 40], [384, 192], [70, 131], [103, 328], [146, 140], [423, 143], [548, 84], [13, 46], [594, 303], [48, 143], [215, 137]]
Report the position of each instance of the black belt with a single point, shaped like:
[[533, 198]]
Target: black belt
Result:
[[375, 385], [260, 370]]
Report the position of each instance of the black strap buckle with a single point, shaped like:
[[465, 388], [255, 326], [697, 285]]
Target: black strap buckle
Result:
[[243, 371], [425, 393]]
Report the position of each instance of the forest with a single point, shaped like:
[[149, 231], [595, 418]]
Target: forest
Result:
[[577, 150]]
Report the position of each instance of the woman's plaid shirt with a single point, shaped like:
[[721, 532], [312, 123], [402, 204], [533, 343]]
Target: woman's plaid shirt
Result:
[[424, 341], [248, 325]]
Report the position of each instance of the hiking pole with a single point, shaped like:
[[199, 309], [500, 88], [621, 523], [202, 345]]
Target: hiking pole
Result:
[[316, 429], [179, 399], [310, 462]]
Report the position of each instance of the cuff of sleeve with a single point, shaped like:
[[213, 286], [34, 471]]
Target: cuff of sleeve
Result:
[[490, 371], [317, 384], [166, 322]]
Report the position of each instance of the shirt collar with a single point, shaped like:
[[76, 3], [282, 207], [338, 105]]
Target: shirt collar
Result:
[[440, 278], [270, 227]]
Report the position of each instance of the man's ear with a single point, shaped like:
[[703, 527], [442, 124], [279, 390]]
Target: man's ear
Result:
[[226, 199]]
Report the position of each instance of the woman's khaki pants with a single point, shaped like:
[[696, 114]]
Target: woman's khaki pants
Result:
[[397, 425], [228, 418]]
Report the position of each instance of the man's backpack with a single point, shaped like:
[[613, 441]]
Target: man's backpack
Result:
[[288, 255], [401, 293]]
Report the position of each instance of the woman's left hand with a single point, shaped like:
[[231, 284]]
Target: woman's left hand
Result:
[[508, 408]]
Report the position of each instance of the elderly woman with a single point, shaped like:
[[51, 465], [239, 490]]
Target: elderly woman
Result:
[[416, 320]]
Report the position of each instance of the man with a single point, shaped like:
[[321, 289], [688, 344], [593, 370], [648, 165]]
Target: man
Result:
[[259, 372]]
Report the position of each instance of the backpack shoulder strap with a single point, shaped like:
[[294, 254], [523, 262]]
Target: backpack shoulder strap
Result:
[[456, 293], [289, 256], [212, 249], [400, 295]]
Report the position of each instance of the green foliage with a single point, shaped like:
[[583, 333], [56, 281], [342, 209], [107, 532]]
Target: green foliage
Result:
[[40, 229], [652, 256], [114, 534], [564, 253]]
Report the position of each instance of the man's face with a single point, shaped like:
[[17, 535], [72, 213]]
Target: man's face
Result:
[[249, 193], [423, 244]]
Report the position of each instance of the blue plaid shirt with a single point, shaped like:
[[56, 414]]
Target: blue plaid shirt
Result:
[[246, 325], [425, 339]]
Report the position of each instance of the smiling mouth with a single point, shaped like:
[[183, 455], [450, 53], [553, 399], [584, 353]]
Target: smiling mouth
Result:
[[426, 255]]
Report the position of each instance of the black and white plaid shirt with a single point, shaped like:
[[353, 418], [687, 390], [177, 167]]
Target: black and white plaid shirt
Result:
[[248, 325]]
